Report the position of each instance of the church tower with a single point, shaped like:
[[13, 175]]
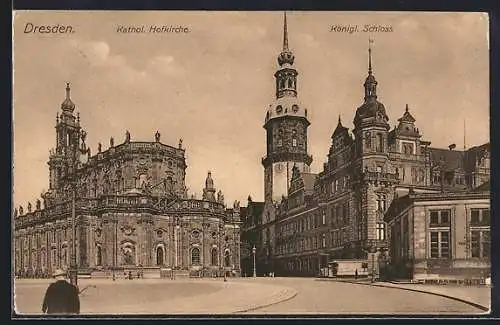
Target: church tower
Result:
[[286, 126], [67, 133], [374, 173]]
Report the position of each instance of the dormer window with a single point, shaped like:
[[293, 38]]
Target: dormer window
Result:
[[279, 109], [295, 107]]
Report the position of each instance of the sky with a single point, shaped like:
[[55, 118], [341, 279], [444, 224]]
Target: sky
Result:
[[212, 86]]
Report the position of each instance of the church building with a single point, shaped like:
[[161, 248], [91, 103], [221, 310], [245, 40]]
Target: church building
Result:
[[131, 210]]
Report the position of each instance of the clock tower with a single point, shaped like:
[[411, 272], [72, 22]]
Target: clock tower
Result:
[[286, 126]]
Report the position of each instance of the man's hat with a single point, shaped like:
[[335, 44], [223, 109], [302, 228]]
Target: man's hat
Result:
[[58, 272]]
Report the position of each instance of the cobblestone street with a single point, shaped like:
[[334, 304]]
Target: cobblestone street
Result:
[[249, 296]]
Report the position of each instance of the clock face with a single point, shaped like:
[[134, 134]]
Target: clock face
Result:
[[279, 168]]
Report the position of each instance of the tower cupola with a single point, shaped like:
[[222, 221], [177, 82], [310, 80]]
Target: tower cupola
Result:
[[67, 105]]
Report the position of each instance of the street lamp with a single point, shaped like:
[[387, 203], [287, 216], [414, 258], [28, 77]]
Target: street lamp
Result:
[[115, 247], [254, 266], [73, 179]]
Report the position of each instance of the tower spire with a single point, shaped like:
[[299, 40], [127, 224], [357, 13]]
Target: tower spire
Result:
[[370, 42], [286, 56], [68, 91], [285, 34]]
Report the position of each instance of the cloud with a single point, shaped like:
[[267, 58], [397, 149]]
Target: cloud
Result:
[[165, 65]]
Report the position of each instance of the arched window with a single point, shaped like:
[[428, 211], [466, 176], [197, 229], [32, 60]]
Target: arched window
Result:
[[195, 256], [280, 137], [380, 143], [227, 258], [159, 255], [290, 83], [368, 140], [214, 257], [99, 256]]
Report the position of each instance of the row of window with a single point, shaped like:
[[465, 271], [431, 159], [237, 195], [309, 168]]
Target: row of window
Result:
[[480, 244], [308, 222], [339, 185], [335, 239], [442, 218]]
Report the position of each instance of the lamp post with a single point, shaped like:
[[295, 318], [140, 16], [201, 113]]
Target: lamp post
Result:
[[254, 266], [373, 267], [115, 247], [73, 274]]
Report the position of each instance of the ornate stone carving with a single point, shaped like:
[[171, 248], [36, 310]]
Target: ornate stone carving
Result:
[[128, 230]]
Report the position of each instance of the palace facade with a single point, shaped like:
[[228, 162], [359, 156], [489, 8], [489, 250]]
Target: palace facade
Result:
[[131, 208], [309, 219]]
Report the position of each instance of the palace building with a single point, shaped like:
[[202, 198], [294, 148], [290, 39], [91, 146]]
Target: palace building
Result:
[[309, 219], [131, 209]]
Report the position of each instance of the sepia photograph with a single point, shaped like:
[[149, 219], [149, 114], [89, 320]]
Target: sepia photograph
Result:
[[177, 163]]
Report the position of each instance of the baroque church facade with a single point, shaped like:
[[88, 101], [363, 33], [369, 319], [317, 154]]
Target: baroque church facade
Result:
[[131, 208], [309, 219]]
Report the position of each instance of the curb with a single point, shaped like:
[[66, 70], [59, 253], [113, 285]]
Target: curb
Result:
[[275, 302], [476, 305]]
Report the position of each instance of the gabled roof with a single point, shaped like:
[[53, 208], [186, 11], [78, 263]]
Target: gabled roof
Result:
[[450, 159], [486, 186], [473, 154], [309, 180], [407, 117], [340, 129]]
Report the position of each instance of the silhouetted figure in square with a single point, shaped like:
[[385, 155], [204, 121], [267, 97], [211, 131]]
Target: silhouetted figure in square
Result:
[[61, 296]]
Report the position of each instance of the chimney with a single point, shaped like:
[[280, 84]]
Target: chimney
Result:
[[452, 146]]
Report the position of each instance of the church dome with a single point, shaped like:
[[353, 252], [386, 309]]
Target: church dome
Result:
[[68, 105], [286, 106], [371, 108], [286, 57]]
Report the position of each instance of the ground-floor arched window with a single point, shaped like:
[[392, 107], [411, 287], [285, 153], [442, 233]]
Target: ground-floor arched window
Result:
[[195, 256], [160, 255], [227, 258], [214, 257]]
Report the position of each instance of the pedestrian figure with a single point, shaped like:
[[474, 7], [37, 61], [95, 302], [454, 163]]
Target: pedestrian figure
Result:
[[130, 275], [356, 274], [61, 296]]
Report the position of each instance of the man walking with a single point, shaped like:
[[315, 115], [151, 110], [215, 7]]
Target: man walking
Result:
[[61, 296]]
